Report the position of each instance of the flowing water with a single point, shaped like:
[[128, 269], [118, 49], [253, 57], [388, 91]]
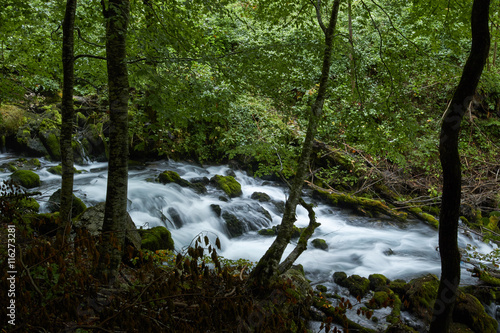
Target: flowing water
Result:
[[356, 245]]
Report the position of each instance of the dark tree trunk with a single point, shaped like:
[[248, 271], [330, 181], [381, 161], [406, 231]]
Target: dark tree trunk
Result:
[[268, 266], [450, 162], [67, 118], [115, 216]]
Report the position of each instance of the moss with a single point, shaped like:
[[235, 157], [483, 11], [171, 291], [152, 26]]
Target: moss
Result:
[[77, 207], [234, 226], [11, 118], [357, 285], [425, 217], [267, 232], [398, 286], [53, 147], [29, 205], [394, 317], [489, 279], [168, 176], [421, 294], [319, 244], [228, 184], [216, 209], [157, 238], [377, 281], [46, 224], [469, 311], [261, 197], [26, 178], [36, 162], [56, 170], [364, 206], [379, 300], [321, 288]]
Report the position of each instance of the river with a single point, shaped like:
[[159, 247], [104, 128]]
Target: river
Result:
[[356, 245]]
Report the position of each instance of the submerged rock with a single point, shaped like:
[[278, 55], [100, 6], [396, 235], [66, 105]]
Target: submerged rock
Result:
[[234, 226], [261, 197], [319, 244]]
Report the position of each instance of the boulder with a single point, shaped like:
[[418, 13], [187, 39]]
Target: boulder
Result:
[[377, 281], [357, 285], [420, 295], [227, 184], [26, 178], [55, 201], [469, 311], [234, 226], [319, 243], [157, 238], [92, 219], [261, 197]]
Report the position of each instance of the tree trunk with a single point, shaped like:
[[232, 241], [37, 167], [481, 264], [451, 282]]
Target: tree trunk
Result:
[[268, 266], [115, 215], [450, 162], [67, 119]]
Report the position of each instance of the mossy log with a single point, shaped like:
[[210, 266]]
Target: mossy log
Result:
[[367, 207]]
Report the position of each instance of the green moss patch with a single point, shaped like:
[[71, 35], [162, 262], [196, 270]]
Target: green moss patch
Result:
[[319, 243], [157, 238], [357, 285], [26, 178], [227, 184], [469, 311]]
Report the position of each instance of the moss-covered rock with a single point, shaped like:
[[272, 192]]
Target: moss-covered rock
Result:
[[399, 286], [377, 281], [357, 285], [227, 184], [55, 170], [11, 118], [380, 299], [29, 205], [168, 176], [234, 226], [319, 243], [26, 178], [77, 207], [92, 219], [157, 238], [469, 311], [216, 209], [260, 196], [321, 288], [267, 232], [395, 316], [420, 295]]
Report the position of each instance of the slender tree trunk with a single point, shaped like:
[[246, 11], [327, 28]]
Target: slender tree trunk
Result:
[[67, 118], [450, 162], [268, 266], [115, 216], [351, 54]]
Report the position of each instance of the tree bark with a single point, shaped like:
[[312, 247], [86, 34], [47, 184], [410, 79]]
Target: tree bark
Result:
[[67, 119], [115, 215], [268, 266], [450, 162]]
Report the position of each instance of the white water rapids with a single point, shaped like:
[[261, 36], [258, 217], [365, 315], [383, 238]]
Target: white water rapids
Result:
[[356, 245]]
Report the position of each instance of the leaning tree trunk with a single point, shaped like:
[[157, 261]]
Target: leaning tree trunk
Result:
[[115, 215], [450, 162], [67, 119], [268, 266]]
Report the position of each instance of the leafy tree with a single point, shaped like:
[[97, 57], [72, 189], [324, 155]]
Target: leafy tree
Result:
[[269, 265], [450, 162], [116, 13]]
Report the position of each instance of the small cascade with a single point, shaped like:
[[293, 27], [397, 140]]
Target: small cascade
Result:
[[80, 150], [356, 245]]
